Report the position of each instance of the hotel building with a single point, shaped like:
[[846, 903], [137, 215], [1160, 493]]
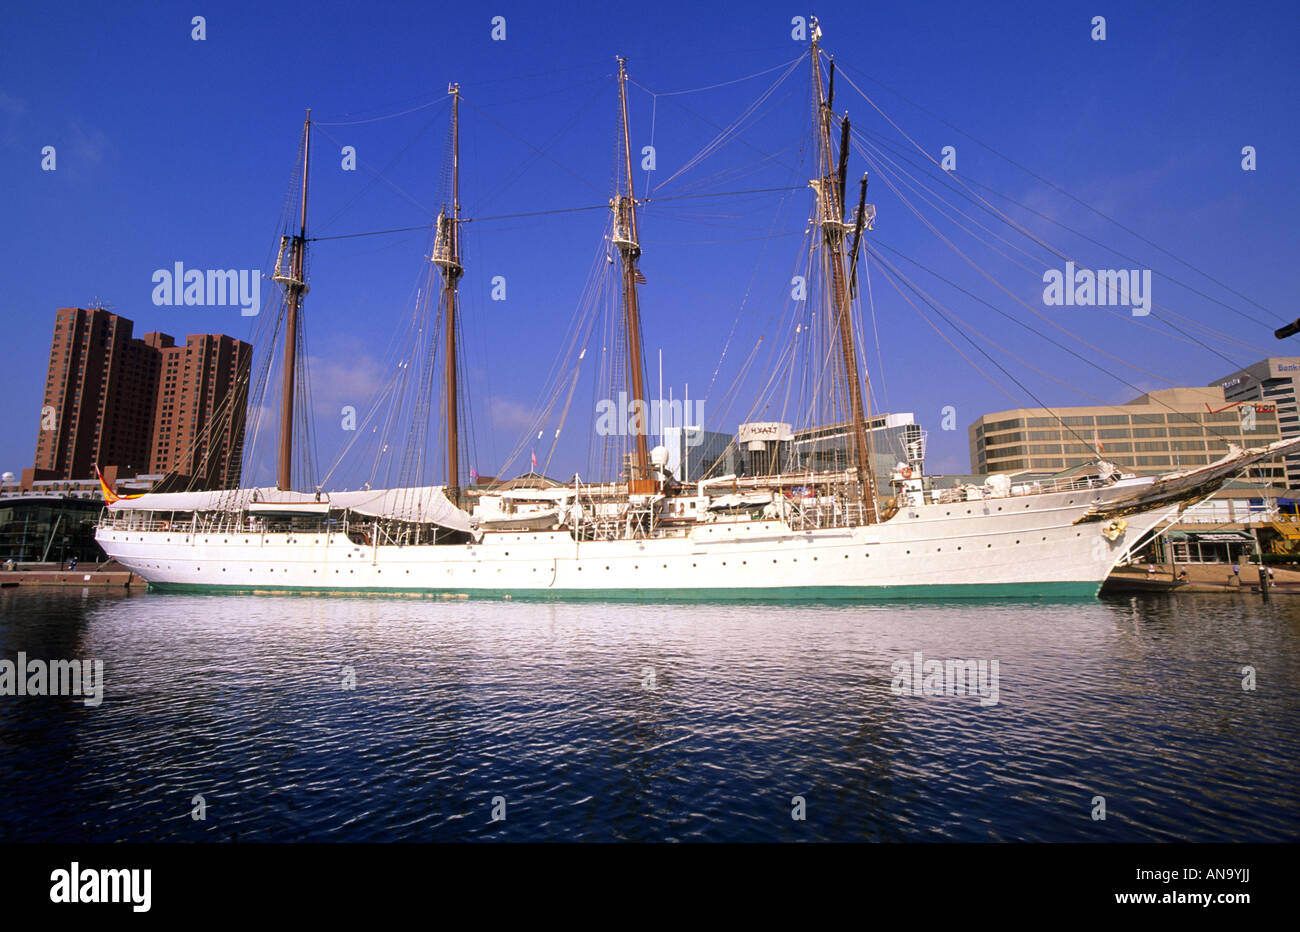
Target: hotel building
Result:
[[1161, 431]]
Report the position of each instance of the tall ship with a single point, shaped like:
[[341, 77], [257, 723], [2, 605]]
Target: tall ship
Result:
[[809, 528]]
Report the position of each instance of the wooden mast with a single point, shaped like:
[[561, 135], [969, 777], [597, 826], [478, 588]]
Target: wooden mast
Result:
[[295, 287], [830, 198], [627, 240], [446, 255]]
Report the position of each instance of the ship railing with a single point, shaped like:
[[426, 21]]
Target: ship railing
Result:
[[964, 493], [1251, 517]]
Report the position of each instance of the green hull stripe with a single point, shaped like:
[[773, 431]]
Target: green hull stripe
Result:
[[1043, 590]]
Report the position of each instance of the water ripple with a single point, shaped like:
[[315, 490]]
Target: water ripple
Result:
[[649, 722]]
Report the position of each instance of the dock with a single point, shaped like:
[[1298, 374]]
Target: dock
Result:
[[1201, 577], [109, 575]]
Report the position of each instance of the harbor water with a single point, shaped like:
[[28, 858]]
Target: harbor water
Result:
[[363, 718]]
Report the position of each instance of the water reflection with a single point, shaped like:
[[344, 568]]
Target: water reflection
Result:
[[647, 722]]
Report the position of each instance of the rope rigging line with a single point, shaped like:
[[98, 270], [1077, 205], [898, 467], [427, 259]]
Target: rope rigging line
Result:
[[1072, 197], [1178, 333], [1007, 291], [437, 100], [1045, 245], [884, 265], [880, 143], [556, 210]]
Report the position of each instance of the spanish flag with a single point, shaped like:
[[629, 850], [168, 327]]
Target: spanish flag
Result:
[[109, 495]]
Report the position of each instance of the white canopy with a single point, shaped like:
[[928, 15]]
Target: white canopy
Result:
[[425, 504]]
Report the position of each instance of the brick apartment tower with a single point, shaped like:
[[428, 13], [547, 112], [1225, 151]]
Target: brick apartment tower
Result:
[[193, 433], [99, 396], [105, 394]]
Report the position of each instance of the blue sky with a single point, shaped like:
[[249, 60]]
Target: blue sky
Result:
[[170, 149]]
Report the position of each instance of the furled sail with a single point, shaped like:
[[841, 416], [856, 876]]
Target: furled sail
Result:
[[422, 504]]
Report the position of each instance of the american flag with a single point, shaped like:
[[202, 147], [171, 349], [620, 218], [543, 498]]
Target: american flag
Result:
[[534, 461], [640, 279]]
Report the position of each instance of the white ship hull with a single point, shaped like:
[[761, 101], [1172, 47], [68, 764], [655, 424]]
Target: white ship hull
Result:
[[1007, 547]]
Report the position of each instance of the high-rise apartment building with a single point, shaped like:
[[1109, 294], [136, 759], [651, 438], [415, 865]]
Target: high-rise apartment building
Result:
[[98, 405], [199, 415], [106, 400]]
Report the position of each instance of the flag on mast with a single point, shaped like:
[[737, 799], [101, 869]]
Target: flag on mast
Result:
[[534, 461]]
